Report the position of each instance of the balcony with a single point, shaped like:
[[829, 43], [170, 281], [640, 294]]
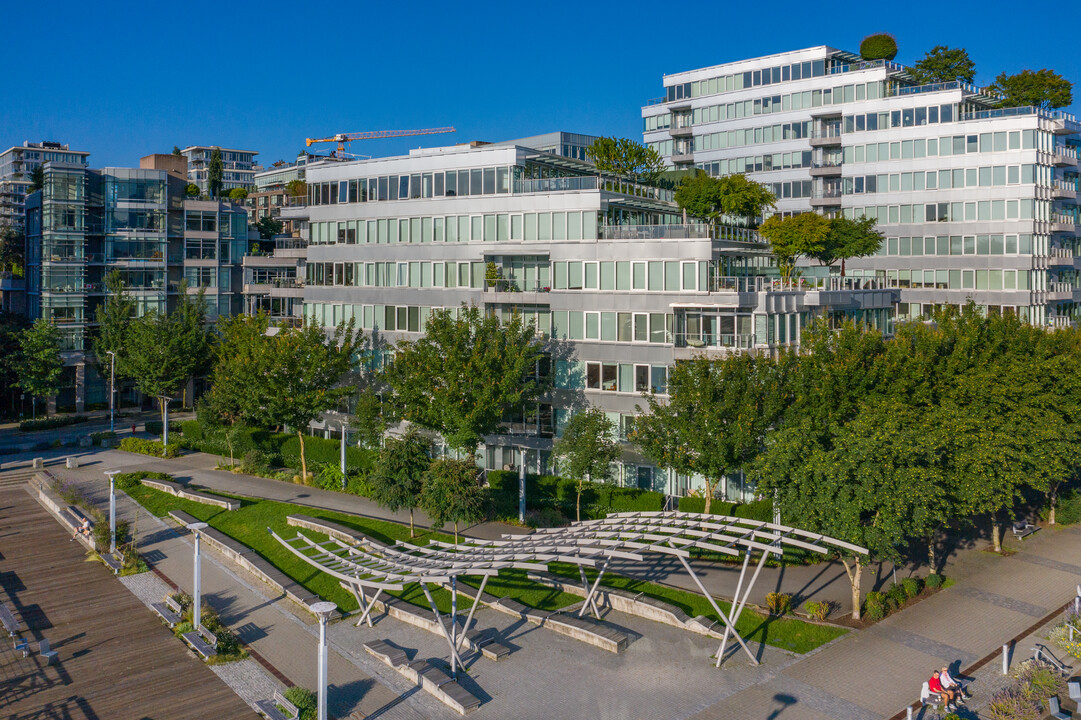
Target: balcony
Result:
[[1064, 189], [1063, 223], [761, 283], [1060, 257], [565, 184], [1064, 156], [1059, 291], [826, 137], [826, 198], [681, 131], [655, 232], [826, 169]]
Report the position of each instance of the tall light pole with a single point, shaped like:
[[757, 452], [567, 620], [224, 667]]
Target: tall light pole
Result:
[[112, 509], [196, 597], [112, 390], [521, 487], [323, 611], [165, 426], [344, 431]]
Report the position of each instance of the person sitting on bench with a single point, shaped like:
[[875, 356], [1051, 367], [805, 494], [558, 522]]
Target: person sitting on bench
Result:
[[949, 683], [949, 697], [84, 528]]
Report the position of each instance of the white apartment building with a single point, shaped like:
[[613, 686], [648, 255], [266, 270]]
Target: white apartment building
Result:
[[618, 286], [238, 167], [976, 202]]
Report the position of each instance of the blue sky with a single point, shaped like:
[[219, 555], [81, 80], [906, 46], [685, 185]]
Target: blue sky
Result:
[[124, 80]]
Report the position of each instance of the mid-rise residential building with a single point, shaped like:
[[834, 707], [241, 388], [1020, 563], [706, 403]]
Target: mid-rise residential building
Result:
[[17, 165], [274, 280], [618, 286], [87, 223], [238, 167], [976, 201], [272, 191]]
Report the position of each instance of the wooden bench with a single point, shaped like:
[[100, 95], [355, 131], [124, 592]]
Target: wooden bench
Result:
[[386, 652], [273, 709], [111, 561], [1022, 529], [169, 611], [202, 641], [8, 620]]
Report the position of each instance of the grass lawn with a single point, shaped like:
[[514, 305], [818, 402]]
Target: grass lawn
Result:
[[249, 523], [787, 633]]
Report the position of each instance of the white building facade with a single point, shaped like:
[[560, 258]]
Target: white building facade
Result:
[[976, 202], [238, 167]]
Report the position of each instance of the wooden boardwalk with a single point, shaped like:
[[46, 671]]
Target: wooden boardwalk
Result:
[[116, 659]]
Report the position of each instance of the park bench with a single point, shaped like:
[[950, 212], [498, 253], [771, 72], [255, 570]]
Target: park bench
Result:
[[488, 645], [1055, 710], [8, 620], [929, 698], [46, 652], [202, 641], [386, 652], [1022, 529], [1040, 653], [169, 611], [78, 516], [277, 708]]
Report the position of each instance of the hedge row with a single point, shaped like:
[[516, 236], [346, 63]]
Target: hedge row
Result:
[[50, 423], [761, 510], [282, 449]]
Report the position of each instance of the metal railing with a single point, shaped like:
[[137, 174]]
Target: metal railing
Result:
[[289, 243], [839, 68], [629, 187], [827, 164], [760, 283], [295, 201], [939, 87], [829, 131], [514, 286], [737, 234], [713, 340]]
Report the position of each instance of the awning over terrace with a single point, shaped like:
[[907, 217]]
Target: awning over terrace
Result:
[[587, 544]]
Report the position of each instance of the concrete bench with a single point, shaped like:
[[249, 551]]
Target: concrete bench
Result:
[[442, 686], [333, 529], [7, 619], [277, 708], [111, 561], [487, 644], [386, 652], [180, 491], [169, 611], [202, 641], [589, 631], [46, 652]]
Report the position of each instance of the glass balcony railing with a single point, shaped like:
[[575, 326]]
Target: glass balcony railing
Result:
[[713, 340], [761, 283], [564, 184], [939, 87], [654, 232]]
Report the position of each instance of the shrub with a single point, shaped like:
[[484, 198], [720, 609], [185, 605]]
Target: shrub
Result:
[[357, 484], [305, 701], [228, 643], [778, 603], [149, 447], [1012, 704], [154, 427], [328, 477], [545, 517], [183, 627], [192, 430], [761, 510], [934, 581], [896, 596], [818, 610], [911, 586], [874, 606], [101, 535], [99, 438], [698, 505], [50, 423], [880, 46], [1067, 508]]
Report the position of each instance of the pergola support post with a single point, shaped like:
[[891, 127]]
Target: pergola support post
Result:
[[365, 604], [455, 659], [591, 592], [473, 609], [738, 609], [716, 609]]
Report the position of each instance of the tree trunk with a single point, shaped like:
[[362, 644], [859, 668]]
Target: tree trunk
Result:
[[996, 536], [578, 504], [411, 533], [842, 267], [456, 532], [931, 554], [855, 576], [1052, 502], [303, 461], [710, 486]]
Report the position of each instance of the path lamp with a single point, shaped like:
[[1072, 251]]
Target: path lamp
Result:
[[112, 509], [196, 597], [165, 400], [323, 611], [521, 487], [345, 430], [112, 389]]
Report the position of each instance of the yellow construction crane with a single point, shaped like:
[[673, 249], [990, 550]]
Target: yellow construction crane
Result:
[[343, 138]]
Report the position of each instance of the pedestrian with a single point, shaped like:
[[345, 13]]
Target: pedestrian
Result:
[[133, 428], [83, 529]]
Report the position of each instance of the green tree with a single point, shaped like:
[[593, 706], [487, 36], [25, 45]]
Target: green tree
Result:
[[40, 365], [451, 493], [12, 326], [12, 249], [215, 174], [793, 237], [296, 188], [465, 373], [304, 373], [371, 415], [398, 476], [237, 388], [700, 196], [745, 199], [238, 194], [716, 417], [586, 450], [114, 318], [37, 179], [1043, 89], [268, 227], [176, 151], [848, 238], [879, 46], [192, 190], [625, 157], [943, 64]]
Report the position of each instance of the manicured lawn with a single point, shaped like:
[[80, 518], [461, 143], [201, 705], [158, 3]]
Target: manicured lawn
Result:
[[787, 633], [249, 525]]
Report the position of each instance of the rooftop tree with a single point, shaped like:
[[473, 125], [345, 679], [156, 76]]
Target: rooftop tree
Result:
[[465, 373], [268, 227], [586, 450], [215, 174], [732, 196], [1043, 89], [848, 238], [879, 46], [943, 64], [793, 237], [12, 249], [625, 157]]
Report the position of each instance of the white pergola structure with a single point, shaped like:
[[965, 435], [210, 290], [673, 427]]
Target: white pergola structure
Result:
[[589, 543]]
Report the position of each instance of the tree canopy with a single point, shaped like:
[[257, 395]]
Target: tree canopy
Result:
[[849, 238], [37, 179], [467, 370], [586, 450], [238, 391], [114, 318], [398, 476], [879, 46], [732, 196], [1043, 89], [192, 190], [795, 236], [626, 157], [943, 64], [238, 193], [215, 174], [451, 493], [39, 363], [268, 227], [12, 248], [296, 188]]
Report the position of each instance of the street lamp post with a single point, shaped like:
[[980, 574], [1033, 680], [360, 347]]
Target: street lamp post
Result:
[[165, 426], [112, 509], [196, 597], [112, 390], [344, 431], [323, 611], [521, 488]]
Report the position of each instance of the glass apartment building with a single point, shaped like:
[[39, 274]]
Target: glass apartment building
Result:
[[86, 223], [976, 202], [618, 286]]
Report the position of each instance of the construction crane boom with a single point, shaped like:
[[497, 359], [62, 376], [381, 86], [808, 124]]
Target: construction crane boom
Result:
[[343, 138]]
